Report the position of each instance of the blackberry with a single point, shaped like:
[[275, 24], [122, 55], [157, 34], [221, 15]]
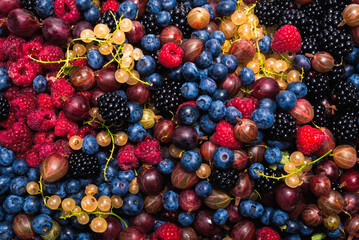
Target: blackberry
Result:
[[317, 84], [337, 74], [108, 18], [346, 96], [224, 179], [336, 41], [267, 184], [332, 18], [266, 12], [314, 9], [82, 165], [169, 96], [313, 28], [309, 45], [29, 5], [335, 187], [4, 108], [179, 19], [159, 67], [338, 4], [345, 128], [150, 23], [113, 108], [293, 17], [320, 115], [283, 128]]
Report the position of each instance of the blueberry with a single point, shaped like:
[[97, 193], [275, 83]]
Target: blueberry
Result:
[[203, 102], [264, 44], [203, 189], [279, 218], [201, 35], [293, 237], [102, 156], [31, 205], [166, 166], [128, 9], [217, 111], [213, 46], [13, 204], [90, 145], [4, 184], [9, 218], [122, 94], [210, 10], [267, 215], [259, 138], [84, 236], [188, 114], [45, 8], [132, 204], [119, 187], [73, 186], [208, 86], [349, 70], [247, 76], [232, 114], [61, 191], [7, 171], [42, 224], [92, 14], [223, 158], [128, 175], [136, 112], [301, 62], [20, 166], [337, 233], [168, 4], [163, 18], [292, 227], [263, 117], [198, 3], [204, 60], [218, 59], [18, 185], [105, 189], [218, 35], [4, 78], [186, 219], [6, 157], [207, 124], [45, 210], [273, 155], [111, 172], [220, 216], [226, 8], [191, 160], [255, 169], [170, 201], [33, 174], [67, 233], [231, 63], [354, 78], [298, 88], [136, 132], [352, 57], [267, 103], [78, 197], [282, 145], [83, 4], [249, 208], [304, 229], [146, 65], [218, 72], [190, 72], [221, 94], [176, 74], [95, 59], [154, 6], [6, 231], [286, 100], [150, 43]]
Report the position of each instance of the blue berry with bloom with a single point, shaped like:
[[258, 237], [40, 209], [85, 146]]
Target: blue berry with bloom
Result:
[[273, 155], [166, 166], [42, 224], [128, 9], [255, 169], [223, 158], [247, 76], [39, 84], [220, 216], [150, 43], [191, 160], [90, 145]]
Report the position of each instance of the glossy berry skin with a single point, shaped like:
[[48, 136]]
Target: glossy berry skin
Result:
[[191, 160], [42, 224], [301, 62], [95, 59], [90, 145], [221, 94], [92, 14], [83, 4], [286, 100], [136, 112], [188, 114], [218, 35], [132, 204], [226, 8], [255, 169], [150, 43], [220, 216], [190, 90], [154, 6], [267, 103], [4, 184], [190, 72], [223, 158], [279, 217], [203, 189], [263, 117], [166, 166], [73, 186], [267, 215], [136, 132], [39, 84], [163, 18], [128, 9], [217, 111], [213, 46], [304, 229], [264, 44], [292, 227], [204, 102], [128, 175], [273, 155], [45, 8], [207, 125], [6, 157], [204, 60], [207, 85], [185, 219], [232, 114], [298, 88], [201, 35], [6, 230], [337, 233], [18, 185], [20, 166], [170, 201], [247, 76], [146, 65], [13, 204], [249, 208], [31, 205], [119, 187]]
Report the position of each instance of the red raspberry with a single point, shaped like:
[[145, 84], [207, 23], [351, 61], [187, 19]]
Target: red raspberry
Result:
[[149, 151], [51, 53], [12, 92], [287, 38], [170, 55], [43, 137], [9, 121], [32, 48], [38, 38], [224, 136], [23, 72], [32, 158], [246, 105], [67, 10], [12, 47], [309, 139], [29, 91], [45, 149], [61, 88], [110, 5], [126, 158], [267, 233], [41, 119], [23, 105], [65, 127], [44, 100], [18, 138], [86, 130], [79, 62], [167, 231], [64, 147], [2, 55]]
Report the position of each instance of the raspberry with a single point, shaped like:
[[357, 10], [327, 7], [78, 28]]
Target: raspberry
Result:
[[32, 48], [67, 10], [12, 92], [12, 47], [110, 5], [45, 149], [32, 158], [18, 138], [61, 88], [43, 137], [23, 105], [65, 127], [170, 55], [23, 72], [309, 139], [2, 55], [51, 53], [9, 121], [44, 100], [64, 147], [287, 38], [79, 62], [29, 91], [86, 130], [267, 233], [41, 119], [167, 231], [126, 158], [246, 105], [149, 151], [224, 136]]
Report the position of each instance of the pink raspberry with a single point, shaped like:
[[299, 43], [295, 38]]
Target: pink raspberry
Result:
[[23, 105], [110, 5], [79, 62], [86, 130], [32, 48], [29, 91], [170, 55], [41, 119], [149, 151], [44, 137], [44, 100], [67, 10], [64, 147], [246, 105], [2, 55], [126, 158], [12, 92], [23, 72], [9, 121], [32, 158], [45, 149], [61, 88], [12, 47], [50, 53], [18, 138], [65, 127]]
